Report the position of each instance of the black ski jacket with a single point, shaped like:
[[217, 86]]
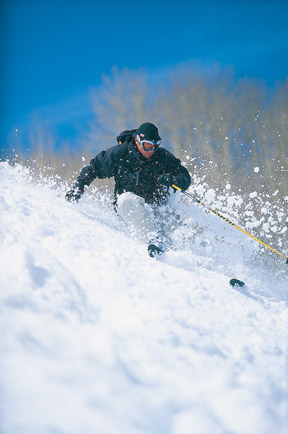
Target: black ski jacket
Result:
[[135, 173]]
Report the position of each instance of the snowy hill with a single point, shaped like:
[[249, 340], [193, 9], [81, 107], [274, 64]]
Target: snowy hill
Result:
[[98, 338]]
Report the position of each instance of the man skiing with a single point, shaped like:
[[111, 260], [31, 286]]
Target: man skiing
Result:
[[143, 173]]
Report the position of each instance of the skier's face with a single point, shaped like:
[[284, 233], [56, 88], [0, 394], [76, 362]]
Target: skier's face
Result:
[[146, 154]]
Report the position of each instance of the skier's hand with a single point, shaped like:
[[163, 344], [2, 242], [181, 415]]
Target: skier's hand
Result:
[[73, 195], [165, 179]]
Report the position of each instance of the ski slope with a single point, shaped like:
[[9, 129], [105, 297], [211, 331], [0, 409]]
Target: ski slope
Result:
[[98, 338]]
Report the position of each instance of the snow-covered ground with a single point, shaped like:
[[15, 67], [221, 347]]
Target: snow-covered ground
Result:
[[98, 338]]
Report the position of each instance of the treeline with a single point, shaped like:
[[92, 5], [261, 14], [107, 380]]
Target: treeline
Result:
[[225, 130]]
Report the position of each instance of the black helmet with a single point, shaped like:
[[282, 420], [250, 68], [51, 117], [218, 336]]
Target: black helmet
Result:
[[149, 132]]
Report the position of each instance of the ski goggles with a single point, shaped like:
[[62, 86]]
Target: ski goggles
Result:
[[148, 145]]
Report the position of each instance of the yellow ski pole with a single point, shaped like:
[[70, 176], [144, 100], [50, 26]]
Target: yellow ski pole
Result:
[[229, 221]]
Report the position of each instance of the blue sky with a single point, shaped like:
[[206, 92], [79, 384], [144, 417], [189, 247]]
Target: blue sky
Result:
[[54, 51]]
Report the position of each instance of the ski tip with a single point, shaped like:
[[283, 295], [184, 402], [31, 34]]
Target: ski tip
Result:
[[236, 282]]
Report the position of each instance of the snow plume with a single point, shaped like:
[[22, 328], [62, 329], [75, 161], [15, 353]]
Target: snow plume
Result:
[[98, 338]]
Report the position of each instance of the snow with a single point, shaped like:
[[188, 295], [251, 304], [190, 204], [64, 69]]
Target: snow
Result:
[[98, 338], [253, 194]]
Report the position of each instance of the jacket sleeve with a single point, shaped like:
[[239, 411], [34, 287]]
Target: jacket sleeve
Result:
[[102, 166]]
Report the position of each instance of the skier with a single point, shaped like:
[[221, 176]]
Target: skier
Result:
[[143, 174]]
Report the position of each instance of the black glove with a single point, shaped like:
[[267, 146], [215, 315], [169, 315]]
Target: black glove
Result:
[[165, 179], [74, 195]]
